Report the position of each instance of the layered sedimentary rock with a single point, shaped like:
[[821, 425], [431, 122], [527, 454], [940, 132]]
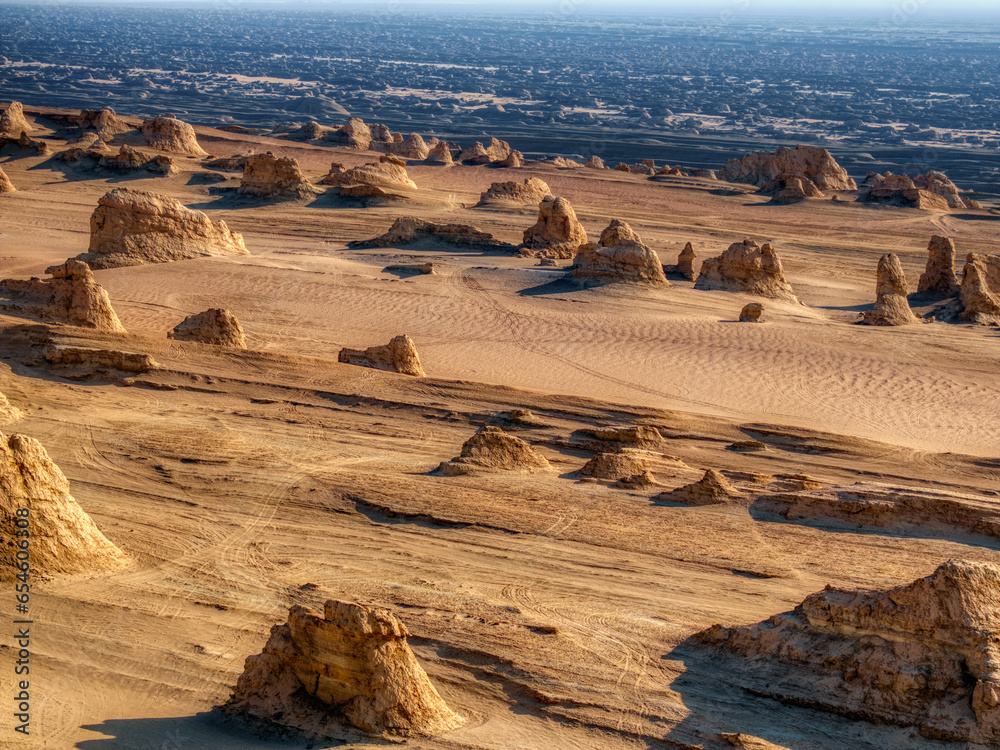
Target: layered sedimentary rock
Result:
[[172, 135], [685, 263], [412, 147], [216, 326], [34, 496], [399, 355], [350, 666], [980, 291], [939, 276], [6, 186], [618, 465], [408, 231], [92, 359], [925, 654], [102, 121], [746, 267], [929, 191], [619, 256], [711, 489], [13, 121], [386, 178], [235, 163], [71, 296], [492, 449], [805, 170], [132, 227], [532, 190], [496, 151], [557, 233], [891, 305], [129, 159], [273, 177]]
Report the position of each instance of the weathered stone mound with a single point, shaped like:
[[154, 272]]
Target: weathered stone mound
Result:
[[399, 355], [617, 466], [127, 159], [939, 276], [24, 143], [752, 313], [353, 134], [13, 121], [386, 178], [492, 449], [557, 233], [92, 361], [216, 326], [980, 292], [928, 191], [104, 122], [711, 489], [440, 154], [805, 170], [746, 267], [925, 654], [71, 296], [595, 162], [619, 256], [171, 135], [34, 498], [235, 163], [891, 305], [409, 231], [6, 186], [412, 147], [497, 151], [275, 178], [532, 190], [8, 412], [352, 666], [132, 227]]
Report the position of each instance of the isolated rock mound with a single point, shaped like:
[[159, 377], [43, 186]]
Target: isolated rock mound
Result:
[[412, 147], [492, 449], [409, 231], [276, 178], [557, 233], [617, 466], [440, 154], [102, 121], [8, 412], [752, 313], [939, 276], [980, 292], [63, 538], [685, 262], [497, 151], [746, 267], [386, 178], [805, 170], [172, 135], [928, 191], [619, 256], [6, 186], [399, 355], [711, 489], [13, 121], [71, 296], [925, 654], [132, 227], [215, 326], [532, 190], [350, 666], [353, 134], [891, 305]]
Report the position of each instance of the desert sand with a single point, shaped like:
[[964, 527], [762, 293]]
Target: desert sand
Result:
[[549, 608]]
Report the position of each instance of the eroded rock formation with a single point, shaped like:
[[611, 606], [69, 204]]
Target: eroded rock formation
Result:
[[939, 276], [492, 449], [386, 179], [351, 666], [354, 134], [216, 326], [104, 122], [929, 191], [619, 256], [13, 121], [808, 171], [71, 296], [751, 313], [399, 355], [746, 267], [891, 305], [171, 135], [980, 292], [408, 231], [711, 489], [8, 412], [532, 190], [276, 178], [557, 233], [497, 151], [6, 186], [132, 227], [440, 154], [618, 465]]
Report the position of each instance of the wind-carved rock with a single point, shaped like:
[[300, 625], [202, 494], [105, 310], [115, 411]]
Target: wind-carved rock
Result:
[[746, 267], [497, 151], [752, 313], [13, 121], [802, 172], [132, 227], [891, 305], [64, 539], [216, 326], [273, 177], [102, 121], [928, 191], [980, 291], [172, 135], [711, 489], [532, 190], [349, 667], [492, 449], [440, 154], [595, 162], [557, 233], [619, 256], [71, 296], [385, 179], [410, 231], [939, 276], [685, 262], [399, 355], [8, 412], [353, 134], [6, 186], [925, 654]]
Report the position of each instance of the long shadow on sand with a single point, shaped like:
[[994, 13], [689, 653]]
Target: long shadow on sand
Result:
[[562, 284], [77, 173]]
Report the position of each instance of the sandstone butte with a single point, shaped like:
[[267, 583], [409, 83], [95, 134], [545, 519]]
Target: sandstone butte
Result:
[[891, 305], [746, 267], [806, 171], [399, 355], [216, 326], [491, 449], [557, 233], [619, 255], [71, 296]]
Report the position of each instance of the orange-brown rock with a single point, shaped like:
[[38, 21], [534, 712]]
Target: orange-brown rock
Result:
[[685, 262], [711, 489], [815, 169], [102, 121], [276, 178], [928, 191], [532, 190], [891, 305], [350, 667], [386, 178], [939, 276], [71, 296], [618, 465], [171, 135], [492, 449], [6, 186], [557, 233], [746, 267], [409, 231], [440, 154], [752, 313], [354, 134], [13, 121], [99, 359], [595, 162], [980, 291], [8, 412], [399, 355], [497, 151], [216, 326], [619, 256]]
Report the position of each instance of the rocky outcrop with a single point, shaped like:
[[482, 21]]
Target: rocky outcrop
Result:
[[23, 142], [746, 267], [928, 191], [557, 233], [92, 361], [791, 189], [412, 147], [891, 305], [492, 449], [808, 171], [350, 667], [71, 296], [170, 134], [752, 313], [6, 186], [939, 276], [923, 655], [13, 121], [385, 179], [980, 291], [595, 162], [617, 466], [128, 159], [216, 326], [532, 190], [440, 155], [514, 161], [353, 134], [275, 178], [711, 489], [619, 256], [102, 121], [8, 412], [35, 498], [409, 231], [235, 163], [399, 355], [497, 151], [685, 262], [132, 227]]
